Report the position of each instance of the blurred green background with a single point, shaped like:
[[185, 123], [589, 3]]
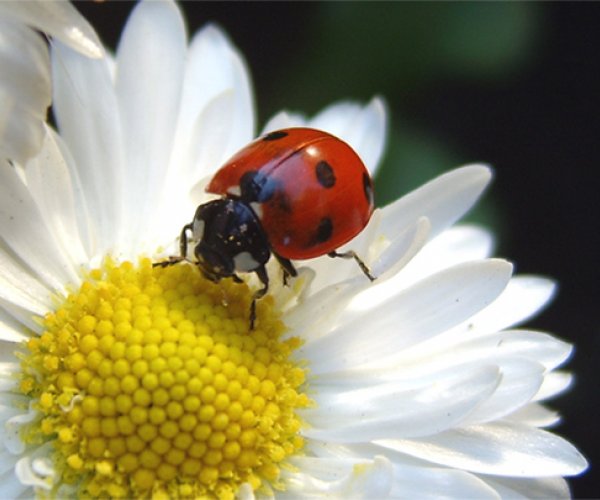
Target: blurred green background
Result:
[[513, 84]]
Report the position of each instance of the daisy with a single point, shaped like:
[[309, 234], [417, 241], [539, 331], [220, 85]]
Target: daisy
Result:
[[120, 379]]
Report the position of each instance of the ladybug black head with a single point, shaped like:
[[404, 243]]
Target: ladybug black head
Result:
[[229, 239]]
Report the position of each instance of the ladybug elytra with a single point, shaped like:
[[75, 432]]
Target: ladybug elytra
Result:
[[295, 193]]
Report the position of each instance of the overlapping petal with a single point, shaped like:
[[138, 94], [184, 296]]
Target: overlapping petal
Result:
[[499, 448], [25, 88], [59, 20], [24, 91], [362, 126], [87, 113]]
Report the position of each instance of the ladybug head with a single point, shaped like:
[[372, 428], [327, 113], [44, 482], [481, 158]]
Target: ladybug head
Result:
[[213, 264], [230, 239]]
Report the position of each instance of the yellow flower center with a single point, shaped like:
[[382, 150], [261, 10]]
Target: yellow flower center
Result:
[[150, 384]]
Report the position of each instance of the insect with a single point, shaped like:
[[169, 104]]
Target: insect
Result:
[[295, 193]]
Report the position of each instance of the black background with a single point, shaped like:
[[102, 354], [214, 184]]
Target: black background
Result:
[[540, 129]]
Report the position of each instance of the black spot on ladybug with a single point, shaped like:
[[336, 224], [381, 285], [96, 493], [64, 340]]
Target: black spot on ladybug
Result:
[[368, 187], [273, 136], [257, 187], [283, 202], [324, 230], [325, 174]]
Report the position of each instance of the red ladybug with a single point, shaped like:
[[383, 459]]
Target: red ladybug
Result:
[[296, 193]]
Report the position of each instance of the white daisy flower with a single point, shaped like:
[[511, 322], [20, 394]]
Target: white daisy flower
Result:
[[124, 380]]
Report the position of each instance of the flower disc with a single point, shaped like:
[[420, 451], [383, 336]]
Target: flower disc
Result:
[[149, 382]]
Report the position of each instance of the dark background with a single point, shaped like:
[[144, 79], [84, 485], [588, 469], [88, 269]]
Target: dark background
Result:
[[512, 84]]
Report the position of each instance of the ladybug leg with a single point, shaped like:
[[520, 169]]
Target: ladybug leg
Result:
[[288, 268], [183, 240], [172, 260], [350, 254], [261, 272]]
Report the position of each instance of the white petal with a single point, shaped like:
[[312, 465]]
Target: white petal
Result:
[[12, 487], [25, 88], [151, 62], [7, 357], [503, 449], [454, 245], [386, 267], [404, 260], [7, 464], [12, 427], [215, 68], [24, 315], [536, 415], [340, 478], [35, 469], [443, 200], [413, 478], [27, 236], [315, 316], [464, 242], [21, 134], [540, 347], [554, 384], [284, 119], [26, 68], [401, 249], [24, 91], [57, 19], [418, 481], [215, 119], [287, 297], [524, 296], [19, 287], [9, 372], [207, 140], [362, 127], [412, 316], [392, 411], [51, 186], [8, 411], [245, 492], [210, 135], [542, 488], [86, 110], [10, 329], [452, 348], [521, 379], [10, 369]]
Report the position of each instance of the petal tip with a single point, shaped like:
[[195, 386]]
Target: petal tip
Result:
[[483, 171]]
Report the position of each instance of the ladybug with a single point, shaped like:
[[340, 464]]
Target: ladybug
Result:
[[295, 193]]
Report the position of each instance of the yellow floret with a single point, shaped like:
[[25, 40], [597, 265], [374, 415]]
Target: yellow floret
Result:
[[149, 386]]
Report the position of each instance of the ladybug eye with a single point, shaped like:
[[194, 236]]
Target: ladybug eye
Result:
[[325, 174]]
